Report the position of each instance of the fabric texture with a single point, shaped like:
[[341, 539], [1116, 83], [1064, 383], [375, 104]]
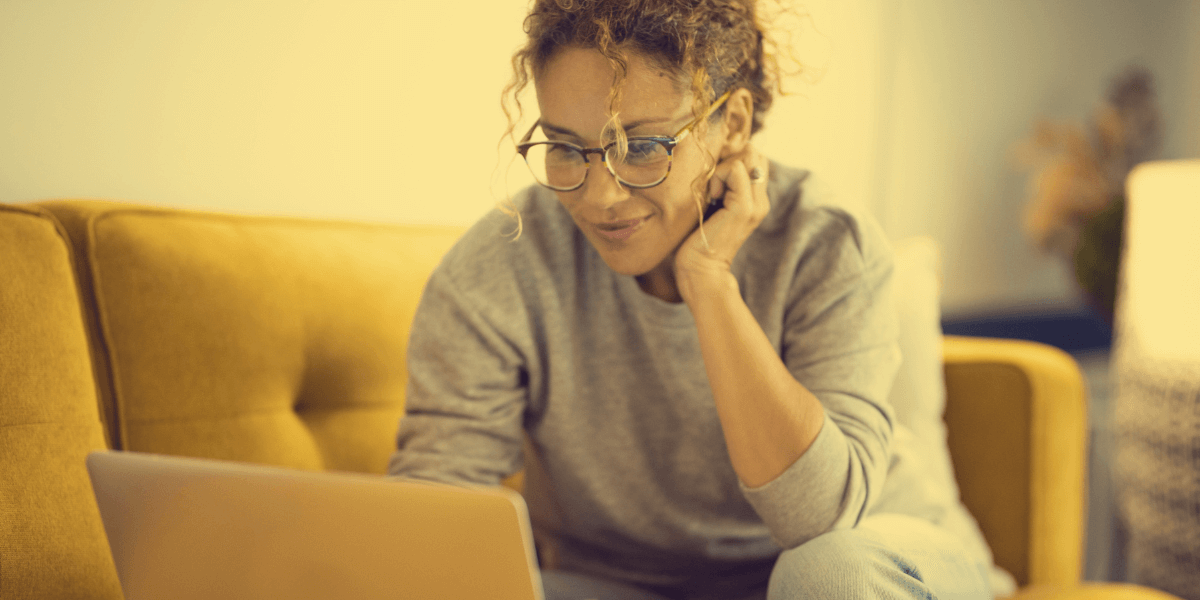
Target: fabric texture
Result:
[[627, 476], [1156, 361], [887, 557], [1157, 420], [268, 340], [919, 394], [1017, 424], [892, 557], [52, 542]]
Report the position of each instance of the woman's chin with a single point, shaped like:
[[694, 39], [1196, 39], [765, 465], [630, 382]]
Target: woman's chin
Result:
[[636, 266], [625, 266], [633, 257]]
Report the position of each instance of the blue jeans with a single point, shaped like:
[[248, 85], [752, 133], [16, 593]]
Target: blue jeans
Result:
[[886, 556]]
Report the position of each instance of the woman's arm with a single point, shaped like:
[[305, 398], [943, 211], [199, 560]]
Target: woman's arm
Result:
[[465, 399], [769, 419], [811, 456]]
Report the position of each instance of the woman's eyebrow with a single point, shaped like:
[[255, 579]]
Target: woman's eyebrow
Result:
[[556, 129], [626, 126]]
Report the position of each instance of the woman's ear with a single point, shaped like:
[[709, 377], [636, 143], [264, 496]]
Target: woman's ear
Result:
[[735, 126]]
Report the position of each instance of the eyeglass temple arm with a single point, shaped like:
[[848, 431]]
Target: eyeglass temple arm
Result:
[[529, 134], [687, 129]]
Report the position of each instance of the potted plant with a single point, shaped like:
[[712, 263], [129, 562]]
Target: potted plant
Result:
[[1076, 206]]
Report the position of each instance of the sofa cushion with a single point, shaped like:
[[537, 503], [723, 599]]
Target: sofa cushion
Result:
[[919, 392], [52, 543], [269, 340]]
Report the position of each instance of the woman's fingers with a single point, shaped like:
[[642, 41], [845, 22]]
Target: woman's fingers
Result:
[[731, 179], [710, 249], [745, 205]]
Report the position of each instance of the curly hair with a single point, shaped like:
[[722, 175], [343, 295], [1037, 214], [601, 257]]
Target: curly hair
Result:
[[708, 46]]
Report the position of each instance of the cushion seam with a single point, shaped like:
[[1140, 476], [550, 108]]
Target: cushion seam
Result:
[[104, 333]]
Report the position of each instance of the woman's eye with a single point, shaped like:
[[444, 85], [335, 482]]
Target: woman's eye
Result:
[[643, 150], [559, 153]]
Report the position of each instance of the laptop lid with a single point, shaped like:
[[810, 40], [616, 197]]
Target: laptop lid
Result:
[[204, 529]]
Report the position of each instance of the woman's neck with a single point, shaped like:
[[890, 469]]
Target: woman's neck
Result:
[[660, 281]]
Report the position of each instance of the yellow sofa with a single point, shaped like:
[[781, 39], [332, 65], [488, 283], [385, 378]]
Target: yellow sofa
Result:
[[282, 341]]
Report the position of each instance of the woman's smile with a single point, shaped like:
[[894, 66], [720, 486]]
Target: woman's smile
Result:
[[619, 231]]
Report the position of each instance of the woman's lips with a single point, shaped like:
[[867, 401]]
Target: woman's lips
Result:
[[619, 231]]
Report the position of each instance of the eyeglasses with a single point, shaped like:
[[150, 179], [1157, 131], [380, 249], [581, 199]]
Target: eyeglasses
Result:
[[563, 166]]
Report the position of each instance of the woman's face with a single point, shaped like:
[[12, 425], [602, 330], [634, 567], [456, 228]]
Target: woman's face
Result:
[[634, 230]]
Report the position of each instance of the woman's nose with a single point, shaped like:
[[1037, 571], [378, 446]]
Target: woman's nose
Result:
[[601, 188]]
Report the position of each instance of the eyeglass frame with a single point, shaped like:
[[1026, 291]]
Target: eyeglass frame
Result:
[[667, 142]]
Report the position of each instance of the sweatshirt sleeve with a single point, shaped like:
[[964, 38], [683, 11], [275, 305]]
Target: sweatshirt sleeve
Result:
[[466, 396], [839, 341]]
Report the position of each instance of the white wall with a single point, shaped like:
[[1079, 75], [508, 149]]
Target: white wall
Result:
[[359, 109], [389, 111], [829, 122]]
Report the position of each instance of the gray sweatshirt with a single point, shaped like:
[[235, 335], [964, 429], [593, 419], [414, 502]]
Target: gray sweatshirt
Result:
[[533, 353]]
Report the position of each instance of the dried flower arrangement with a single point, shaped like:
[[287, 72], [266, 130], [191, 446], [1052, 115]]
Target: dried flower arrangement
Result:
[[1076, 206]]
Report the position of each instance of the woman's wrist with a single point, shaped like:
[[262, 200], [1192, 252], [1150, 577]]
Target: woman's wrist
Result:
[[697, 286]]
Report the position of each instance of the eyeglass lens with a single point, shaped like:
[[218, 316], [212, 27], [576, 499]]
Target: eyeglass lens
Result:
[[645, 162]]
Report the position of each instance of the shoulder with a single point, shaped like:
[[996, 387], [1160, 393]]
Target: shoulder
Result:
[[807, 231], [493, 260], [820, 277]]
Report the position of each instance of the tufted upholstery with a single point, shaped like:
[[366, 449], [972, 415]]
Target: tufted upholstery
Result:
[[48, 422], [267, 340]]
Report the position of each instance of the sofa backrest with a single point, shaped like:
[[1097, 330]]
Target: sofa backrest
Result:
[[52, 543], [269, 340]]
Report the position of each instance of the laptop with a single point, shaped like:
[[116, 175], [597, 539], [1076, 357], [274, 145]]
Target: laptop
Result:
[[193, 528]]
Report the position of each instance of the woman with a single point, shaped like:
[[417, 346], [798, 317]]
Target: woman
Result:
[[704, 401]]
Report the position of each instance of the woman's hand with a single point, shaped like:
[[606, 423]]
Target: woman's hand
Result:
[[704, 258]]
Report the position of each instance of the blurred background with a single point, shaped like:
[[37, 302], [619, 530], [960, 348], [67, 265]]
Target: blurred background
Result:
[[389, 111]]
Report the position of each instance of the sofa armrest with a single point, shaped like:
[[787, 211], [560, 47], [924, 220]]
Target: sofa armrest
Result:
[[1017, 432], [1092, 591]]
